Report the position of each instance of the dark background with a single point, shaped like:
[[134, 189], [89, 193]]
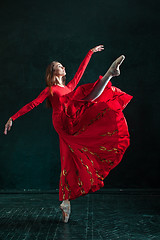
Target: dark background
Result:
[[34, 33]]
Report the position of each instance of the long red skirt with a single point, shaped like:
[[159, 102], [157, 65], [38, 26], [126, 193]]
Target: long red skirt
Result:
[[93, 137]]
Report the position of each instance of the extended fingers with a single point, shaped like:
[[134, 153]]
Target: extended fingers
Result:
[[100, 47], [5, 130]]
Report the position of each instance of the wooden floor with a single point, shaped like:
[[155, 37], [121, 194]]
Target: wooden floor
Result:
[[97, 216]]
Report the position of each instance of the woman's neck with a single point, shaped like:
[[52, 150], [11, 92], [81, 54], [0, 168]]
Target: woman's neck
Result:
[[59, 80], [60, 85]]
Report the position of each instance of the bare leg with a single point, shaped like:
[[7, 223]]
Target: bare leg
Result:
[[100, 86]]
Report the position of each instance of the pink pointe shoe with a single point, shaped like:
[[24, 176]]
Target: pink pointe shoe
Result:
[[66, 210], [114, 68]]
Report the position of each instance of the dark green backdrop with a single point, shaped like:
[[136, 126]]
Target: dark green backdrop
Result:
[[34, 33]]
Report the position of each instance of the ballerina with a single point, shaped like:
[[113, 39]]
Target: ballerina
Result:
[[83, 118]]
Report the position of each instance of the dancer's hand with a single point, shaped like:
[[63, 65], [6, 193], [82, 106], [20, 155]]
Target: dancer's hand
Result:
[[98, 48], [8, 126]]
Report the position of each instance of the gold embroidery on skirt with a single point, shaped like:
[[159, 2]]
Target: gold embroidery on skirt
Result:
[[98, 116], [101, 159], [107, 161], [100, 176], [82, 191], [97, 155], [80, 183], [70, 148], [66, 185], [74, 115], [91, 179], [63, 193], [64, 196], [109, 133], [64, 172], [82, 130], [103, 148], [84, 149], [108, 150], [90, 160], [86, 155], [91, 153]]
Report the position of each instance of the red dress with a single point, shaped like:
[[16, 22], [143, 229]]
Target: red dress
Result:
[[93, 135]]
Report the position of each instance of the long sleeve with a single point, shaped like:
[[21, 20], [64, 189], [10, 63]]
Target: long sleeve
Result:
[[73, 83], [28, 107]]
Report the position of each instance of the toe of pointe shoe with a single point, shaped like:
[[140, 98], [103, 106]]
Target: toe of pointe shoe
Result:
[[65, 213], [120, 59], [66, 218]]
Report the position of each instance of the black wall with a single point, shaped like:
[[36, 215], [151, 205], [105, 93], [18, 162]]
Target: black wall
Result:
[[34, 33]]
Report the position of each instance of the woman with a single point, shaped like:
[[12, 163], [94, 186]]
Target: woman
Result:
[[92, 129]]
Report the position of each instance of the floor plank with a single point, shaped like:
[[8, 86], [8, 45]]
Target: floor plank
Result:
[[96, 216]]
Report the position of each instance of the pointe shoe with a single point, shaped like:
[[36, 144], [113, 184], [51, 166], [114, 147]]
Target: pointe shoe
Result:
[[66, 210], [114, 68]]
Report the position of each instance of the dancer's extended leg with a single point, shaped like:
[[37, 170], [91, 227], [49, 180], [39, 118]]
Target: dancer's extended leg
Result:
[[100, 86]]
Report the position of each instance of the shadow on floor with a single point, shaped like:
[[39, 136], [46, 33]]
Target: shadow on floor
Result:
[[96, 216]]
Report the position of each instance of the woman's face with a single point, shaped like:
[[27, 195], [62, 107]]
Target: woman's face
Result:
[[59, 70]]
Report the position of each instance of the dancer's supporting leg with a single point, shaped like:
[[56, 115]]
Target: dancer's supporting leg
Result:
[[100, 86], [66, 201], [65, 206]]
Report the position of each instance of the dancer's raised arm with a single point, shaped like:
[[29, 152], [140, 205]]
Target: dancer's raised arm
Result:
[[28, 107], [73, 83]]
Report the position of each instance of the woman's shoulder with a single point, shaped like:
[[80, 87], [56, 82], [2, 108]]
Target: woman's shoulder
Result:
[[47, 88]]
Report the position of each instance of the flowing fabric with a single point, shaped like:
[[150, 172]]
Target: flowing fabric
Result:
[[93, 135]]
